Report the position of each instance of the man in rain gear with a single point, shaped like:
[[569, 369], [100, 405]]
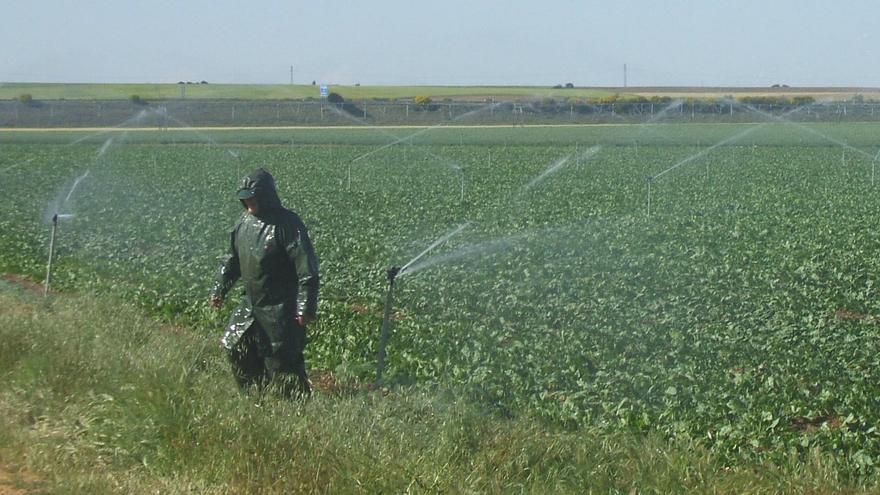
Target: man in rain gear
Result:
[[271, 252]]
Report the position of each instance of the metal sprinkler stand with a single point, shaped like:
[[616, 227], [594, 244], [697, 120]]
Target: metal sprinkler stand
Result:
[[393, 272], [51, 253], [383, 336]]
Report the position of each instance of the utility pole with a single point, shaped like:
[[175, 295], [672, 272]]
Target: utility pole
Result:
[[624, 75], [291, 75]]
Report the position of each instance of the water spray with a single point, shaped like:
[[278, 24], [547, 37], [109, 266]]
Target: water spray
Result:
[[392, 274], [51, 253], [237, 157], [721, 143], [54, 207], [874, 166], [461, 177]]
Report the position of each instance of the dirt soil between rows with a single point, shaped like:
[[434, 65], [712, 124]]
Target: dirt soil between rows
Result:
[[24, 283]]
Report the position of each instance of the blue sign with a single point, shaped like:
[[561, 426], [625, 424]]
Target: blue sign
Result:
[[325, 90]]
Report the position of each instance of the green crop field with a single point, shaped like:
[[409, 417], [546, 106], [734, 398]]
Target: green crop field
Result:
[[715, 283]]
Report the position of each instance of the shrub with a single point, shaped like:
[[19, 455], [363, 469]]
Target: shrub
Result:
[[422, 101], [334, 97], [137, 100], [548, 103], [802, 100], [26, 99]]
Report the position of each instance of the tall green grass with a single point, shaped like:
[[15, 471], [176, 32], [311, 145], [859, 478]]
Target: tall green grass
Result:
[[98, 398]]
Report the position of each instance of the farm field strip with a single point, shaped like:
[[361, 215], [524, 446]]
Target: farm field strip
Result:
[[740, 312]]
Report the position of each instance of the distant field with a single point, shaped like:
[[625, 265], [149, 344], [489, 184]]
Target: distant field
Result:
[[57, 91], [819, 93], [45, 91]]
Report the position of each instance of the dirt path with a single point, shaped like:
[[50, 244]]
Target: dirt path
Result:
[[24, 283], [17, 482]]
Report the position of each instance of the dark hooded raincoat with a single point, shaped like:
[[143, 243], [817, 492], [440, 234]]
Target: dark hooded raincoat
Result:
[[273, 256]]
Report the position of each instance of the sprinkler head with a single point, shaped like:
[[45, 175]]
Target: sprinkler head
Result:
[[392, 273], [55, 218]]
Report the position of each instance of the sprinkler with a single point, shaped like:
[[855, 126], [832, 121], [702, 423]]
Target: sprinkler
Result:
[[873, 169], [461, 178], [51, 253], [392, 273]]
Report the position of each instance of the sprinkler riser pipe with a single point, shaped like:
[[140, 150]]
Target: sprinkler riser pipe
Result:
[[386, 319], [51, 253], [461, 199]]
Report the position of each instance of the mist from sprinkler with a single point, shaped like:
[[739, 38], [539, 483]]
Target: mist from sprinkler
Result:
[[484, 248], [238, 157], [16, 165], [392, 274], [116, 128], [413, 266], [409, 137], [445, 237], [204, 137], [651, 178], [496, 244], [843, 144], [647, 124], [561, 162], [54, 209], [721, 143], [874, 166], [58, 210], [55, 217], [457, 168], [140, 116], [105, 146]]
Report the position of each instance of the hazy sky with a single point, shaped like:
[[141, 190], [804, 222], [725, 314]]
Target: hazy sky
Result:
[[450, 42]]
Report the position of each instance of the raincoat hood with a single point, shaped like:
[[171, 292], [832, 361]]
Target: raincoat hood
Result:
[[259, 184]]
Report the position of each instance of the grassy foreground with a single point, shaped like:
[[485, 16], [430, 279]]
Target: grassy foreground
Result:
[[99, 399]]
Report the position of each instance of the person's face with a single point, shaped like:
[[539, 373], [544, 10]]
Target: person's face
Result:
[[251, 204]]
